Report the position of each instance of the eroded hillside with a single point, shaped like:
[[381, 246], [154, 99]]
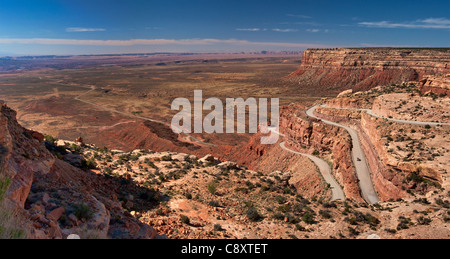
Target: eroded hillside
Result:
[[58, 188]]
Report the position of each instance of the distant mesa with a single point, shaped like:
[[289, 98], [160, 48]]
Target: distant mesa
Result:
[[362, 69]]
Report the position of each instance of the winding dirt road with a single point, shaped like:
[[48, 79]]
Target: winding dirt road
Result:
[[359, 160], [371, 113], [325, 170]]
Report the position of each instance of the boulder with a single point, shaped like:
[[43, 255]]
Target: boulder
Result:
[[180, 157], [56, 214], [228, 165], [36, 135], [207, 158]]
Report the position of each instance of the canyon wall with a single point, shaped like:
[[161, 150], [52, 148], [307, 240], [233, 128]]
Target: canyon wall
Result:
[[387, 182], [388, 172], [362, 69], [437, 84], [309, 136], [305, 136]]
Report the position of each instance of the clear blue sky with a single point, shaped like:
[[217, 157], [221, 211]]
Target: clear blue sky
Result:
[[127, 26]]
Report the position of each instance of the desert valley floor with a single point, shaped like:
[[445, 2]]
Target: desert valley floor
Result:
[[86, 147]]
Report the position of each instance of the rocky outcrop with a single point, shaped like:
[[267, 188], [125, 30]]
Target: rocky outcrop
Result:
[[338, 113], [389, 173], [387, 182], [349, 103], [23, 157], [55, 198], [437, 84], [363, 69]]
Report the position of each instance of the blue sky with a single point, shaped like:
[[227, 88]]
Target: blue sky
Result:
[[128, 26]]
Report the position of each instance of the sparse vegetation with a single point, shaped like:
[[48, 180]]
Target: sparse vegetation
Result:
[[212, 188], [253, 214], [83, 212], [189, 186], [11, 226], [185, 220]]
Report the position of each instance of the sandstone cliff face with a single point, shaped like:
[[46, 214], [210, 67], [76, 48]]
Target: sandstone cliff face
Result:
[[436, 84], [19, 146], [363, 69], [306, 134], [47, 191], [388, 184], [389, 172]]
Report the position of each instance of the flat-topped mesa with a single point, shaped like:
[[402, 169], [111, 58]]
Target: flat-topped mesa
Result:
[[362, 69]]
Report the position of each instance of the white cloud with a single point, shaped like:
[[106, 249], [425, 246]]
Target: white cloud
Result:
[[248, 29], [284, 30], [78, 29], [313, 30], [430, 23], [441, 21]]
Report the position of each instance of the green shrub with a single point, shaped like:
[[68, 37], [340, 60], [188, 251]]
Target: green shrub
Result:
[[185, 220], [11, 226], [83, 212], [166, 158], [214, 204], [403, 223], [325, 214], [280, 199], [4, 184], [91, 164], [300, 228], [253, 214], [284, 208], [308, 218], [49, 139], [278, 216], [218, 227], [212, 188]]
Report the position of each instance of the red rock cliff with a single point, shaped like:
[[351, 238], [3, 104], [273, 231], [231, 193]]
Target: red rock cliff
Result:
[[362, 69], [324, 138]]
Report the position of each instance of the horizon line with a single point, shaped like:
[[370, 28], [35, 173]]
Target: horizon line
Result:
[[237, 52]]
